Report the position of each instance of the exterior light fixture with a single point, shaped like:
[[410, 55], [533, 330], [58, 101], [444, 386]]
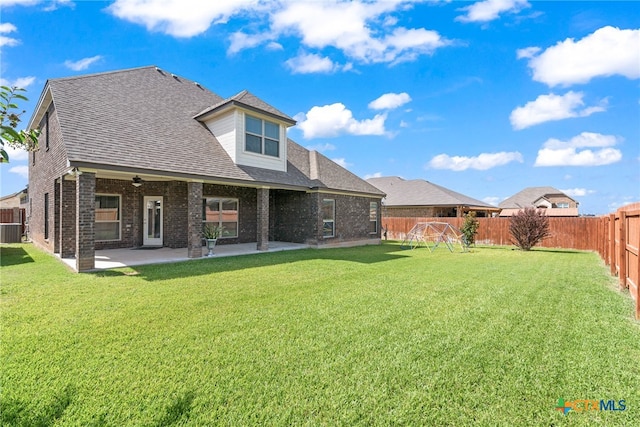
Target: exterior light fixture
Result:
[[137, 181]]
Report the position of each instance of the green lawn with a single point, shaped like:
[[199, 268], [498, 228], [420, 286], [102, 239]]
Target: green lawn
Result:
[[362, 336]]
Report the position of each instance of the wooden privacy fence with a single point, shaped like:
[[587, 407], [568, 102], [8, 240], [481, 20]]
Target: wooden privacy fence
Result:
[[572, 233], [13, 216], [621, 249], [616, 237]]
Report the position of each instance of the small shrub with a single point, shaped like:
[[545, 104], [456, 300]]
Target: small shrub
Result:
[[469, 228], [528, 227]]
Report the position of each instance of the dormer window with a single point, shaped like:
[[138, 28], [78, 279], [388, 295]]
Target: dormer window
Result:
[[262, 136]]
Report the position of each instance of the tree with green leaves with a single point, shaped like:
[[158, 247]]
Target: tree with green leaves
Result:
[[469, 228], [10, 136]]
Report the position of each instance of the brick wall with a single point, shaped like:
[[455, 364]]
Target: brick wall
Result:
[[48, 167], [247, 210]]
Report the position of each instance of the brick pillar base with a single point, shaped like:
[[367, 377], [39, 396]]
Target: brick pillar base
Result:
[[85, 221], [263, 219], [194, 228]]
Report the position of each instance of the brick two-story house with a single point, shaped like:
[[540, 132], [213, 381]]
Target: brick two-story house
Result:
[[142, 157]]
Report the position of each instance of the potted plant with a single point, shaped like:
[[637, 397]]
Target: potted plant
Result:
[[211, 234]]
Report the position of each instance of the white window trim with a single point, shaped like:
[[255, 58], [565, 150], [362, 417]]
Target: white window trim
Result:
[[119, 196], [324, 221], [262, 137], [220, 219], [376, 220]]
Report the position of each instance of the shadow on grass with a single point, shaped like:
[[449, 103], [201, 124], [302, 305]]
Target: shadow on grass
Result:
[[19, 413], [13, 256], [362, 254], [178, 411]]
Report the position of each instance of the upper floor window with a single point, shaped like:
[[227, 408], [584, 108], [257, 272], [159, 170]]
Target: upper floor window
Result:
[[262, 136], [564, 205]]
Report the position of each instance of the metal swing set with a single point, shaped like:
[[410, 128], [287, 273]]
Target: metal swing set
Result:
[[432, 234]]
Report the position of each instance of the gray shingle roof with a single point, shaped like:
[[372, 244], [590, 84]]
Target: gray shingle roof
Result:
[[248, 100], [527, 196], [143, 118], [418, 192]]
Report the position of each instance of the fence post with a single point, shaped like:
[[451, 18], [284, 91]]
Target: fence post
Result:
[[623, 250], [612, 243]]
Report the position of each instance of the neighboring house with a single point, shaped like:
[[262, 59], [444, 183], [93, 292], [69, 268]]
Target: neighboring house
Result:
[[419, 198], [14, 200], [553, 201], [142, 157]]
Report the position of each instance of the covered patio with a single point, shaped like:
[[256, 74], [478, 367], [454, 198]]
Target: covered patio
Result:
[[116, 258]]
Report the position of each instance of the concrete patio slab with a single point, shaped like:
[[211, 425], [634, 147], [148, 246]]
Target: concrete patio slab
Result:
[[117, 258]]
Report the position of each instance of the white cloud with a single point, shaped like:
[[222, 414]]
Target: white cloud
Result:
[[178, 18], [482, 162], [311, 63], [23, 171], [578, 192], [8, 41], [342, 162], [553, 107], [16, 154], [7, 3], [82, 64], [488, 10], [606, 52], [363, 31], [373, 175], [389, 101], [322, 147], [492, 200], [49, 4], [555, 152], [21, 82], [335, 119], [7, 27]]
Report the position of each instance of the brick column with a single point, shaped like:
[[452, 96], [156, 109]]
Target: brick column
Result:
[[85, 221], [57, 191], [194, 213], [263, 219], [67, 216]]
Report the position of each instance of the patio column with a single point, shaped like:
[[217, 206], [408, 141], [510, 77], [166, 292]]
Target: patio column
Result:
[[263, 219], [85, 221], [194, 228], [67, 218]]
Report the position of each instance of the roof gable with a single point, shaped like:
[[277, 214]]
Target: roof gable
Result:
[[142, 120], [418, 192], [247, 100], [529, 196]]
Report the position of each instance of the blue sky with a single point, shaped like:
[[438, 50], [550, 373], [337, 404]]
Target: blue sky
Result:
[[485, 98]]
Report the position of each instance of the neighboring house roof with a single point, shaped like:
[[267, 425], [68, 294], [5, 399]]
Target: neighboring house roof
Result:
[[537, 197], [142, 120], [529, 196], [12, 200], [418, 192]]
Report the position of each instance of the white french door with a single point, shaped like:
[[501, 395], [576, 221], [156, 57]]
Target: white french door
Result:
[[152, 227]]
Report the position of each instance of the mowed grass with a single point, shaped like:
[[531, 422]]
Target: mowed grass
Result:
[[361, 336]]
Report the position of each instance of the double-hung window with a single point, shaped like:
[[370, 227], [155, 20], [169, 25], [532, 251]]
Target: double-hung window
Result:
[[262, 136], [222, 212], [107, 217], [328, 218], [373, 217]]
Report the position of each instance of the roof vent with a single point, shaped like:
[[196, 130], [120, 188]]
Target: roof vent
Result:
[[175, 77], [160, 71]]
